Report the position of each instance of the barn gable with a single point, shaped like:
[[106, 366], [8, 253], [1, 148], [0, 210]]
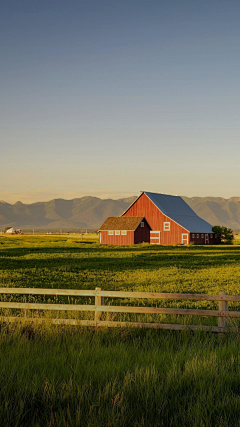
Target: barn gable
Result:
[[175, 208]]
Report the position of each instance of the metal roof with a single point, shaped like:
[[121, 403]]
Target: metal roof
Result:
[[175, 208]]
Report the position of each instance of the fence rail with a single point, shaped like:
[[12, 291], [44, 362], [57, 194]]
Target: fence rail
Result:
[[223, 313]]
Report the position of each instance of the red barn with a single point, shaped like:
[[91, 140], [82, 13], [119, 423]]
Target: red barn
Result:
[[124, 231], [171, 220]]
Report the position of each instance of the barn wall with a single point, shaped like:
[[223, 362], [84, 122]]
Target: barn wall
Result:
[[201, 240], [117, 240], [142, 234], [144, 207]]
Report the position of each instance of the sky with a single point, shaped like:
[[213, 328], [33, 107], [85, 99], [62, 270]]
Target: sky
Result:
[[109, 98]]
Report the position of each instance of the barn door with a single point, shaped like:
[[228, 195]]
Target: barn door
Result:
[[206, 239], [155, 237], [185, 239]]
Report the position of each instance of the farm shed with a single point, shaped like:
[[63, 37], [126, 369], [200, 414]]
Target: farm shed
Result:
[[11, 231], [124, 231], [171, 220]]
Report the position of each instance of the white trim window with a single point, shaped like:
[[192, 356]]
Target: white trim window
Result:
[[124, 232], [211, 236], [193, 236], [202, 235], [166, 226], [117, 232], [110, 232], [142, 224], [197, 236]]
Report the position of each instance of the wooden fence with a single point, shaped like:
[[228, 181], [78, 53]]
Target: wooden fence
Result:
[[222, 313]]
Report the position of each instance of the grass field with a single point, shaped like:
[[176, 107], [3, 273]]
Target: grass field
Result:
[[64, 376]]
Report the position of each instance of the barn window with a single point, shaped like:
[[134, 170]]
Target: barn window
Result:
[[193, 236], [197, 236], [166, 226], [211, 236], [117, 232], [202, 235], [110, 233], [216, 235], [123, 233], [142, 224]]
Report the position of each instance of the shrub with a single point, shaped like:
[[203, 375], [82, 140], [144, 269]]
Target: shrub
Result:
[[223, 233]]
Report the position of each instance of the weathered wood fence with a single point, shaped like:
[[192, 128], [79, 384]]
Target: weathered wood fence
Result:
[[222, 313]]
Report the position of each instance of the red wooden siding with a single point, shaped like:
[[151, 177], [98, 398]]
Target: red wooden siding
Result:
[[114, 239], [140, 235], [144, 207]]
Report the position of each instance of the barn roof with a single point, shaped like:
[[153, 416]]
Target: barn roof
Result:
[[178, 210], [122, 223]]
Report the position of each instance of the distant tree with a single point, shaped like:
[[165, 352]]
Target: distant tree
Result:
[[218, 230], [228, 235], [223, 233]]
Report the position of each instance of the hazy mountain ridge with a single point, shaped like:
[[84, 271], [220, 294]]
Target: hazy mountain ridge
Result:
[[88, 212], [91, 212], [217, 210]]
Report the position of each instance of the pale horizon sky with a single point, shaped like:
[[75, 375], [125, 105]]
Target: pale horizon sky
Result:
[[110, 98], [45, 196]]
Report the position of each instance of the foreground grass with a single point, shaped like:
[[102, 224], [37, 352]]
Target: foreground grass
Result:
[[55, 376], [78, 377]]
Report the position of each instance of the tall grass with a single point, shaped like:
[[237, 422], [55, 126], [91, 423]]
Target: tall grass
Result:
[[63, 376], [78, 377]]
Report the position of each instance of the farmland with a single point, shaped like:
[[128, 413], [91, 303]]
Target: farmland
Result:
[[64, 376]]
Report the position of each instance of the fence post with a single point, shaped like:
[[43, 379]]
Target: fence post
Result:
[[223, 306], [99, 301]]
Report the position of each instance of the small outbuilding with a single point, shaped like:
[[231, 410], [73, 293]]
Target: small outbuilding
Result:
[[124, 231], [11, 231]]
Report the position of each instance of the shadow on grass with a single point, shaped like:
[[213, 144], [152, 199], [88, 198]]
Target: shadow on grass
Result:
[[67, 259]]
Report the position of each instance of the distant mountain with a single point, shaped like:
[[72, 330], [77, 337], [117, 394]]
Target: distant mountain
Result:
[[88, 212], [91, 212], [217, 210]]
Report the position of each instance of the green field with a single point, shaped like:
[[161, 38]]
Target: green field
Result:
[[72, 376]]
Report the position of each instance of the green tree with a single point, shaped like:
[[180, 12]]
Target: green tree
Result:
[[223, 233]]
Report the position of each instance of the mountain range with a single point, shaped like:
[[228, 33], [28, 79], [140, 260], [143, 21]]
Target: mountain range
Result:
[[91, 212]]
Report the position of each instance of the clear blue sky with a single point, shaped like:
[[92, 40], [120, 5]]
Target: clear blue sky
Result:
[[108, 98]]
